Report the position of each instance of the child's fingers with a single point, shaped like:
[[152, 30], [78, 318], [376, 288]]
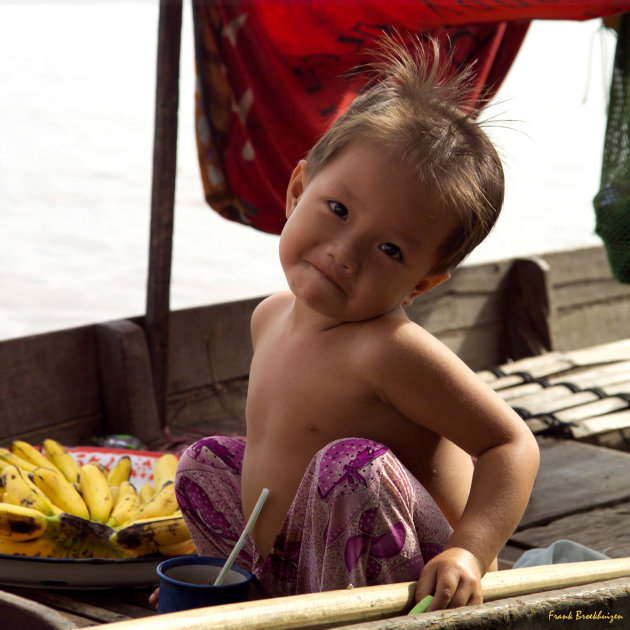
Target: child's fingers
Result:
[[454, 589], [154, 598], [426, 582]]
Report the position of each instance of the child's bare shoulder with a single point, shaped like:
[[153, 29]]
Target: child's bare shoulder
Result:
[[268, 309], [396, 344]]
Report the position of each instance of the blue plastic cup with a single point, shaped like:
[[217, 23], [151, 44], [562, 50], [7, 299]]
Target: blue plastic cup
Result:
[[188, 582]]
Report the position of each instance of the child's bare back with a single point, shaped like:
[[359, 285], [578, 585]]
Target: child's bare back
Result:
[[309, 387]]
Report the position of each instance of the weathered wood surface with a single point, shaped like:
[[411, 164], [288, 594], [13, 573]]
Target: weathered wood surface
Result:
[[588, 306], [466, 312], [126, 379], [604, 529], [209, 355], [601, 606], [17, 612], [349, 606], [83, 609], [50, 387], [583, 394], [575, 477]]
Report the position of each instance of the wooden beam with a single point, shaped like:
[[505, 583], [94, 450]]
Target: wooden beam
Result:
[[333, 608], [163, 195]]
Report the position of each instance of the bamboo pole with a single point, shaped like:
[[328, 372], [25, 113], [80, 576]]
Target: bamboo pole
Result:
[[163, 196], [324, 610]]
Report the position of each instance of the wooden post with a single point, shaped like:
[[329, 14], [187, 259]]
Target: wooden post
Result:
[[126, 381], [163, 196]]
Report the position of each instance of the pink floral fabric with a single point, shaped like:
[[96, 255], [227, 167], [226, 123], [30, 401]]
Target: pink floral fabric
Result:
[[358, 517]]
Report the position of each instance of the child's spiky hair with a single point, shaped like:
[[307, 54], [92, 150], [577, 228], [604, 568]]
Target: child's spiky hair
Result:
[[417, 106]]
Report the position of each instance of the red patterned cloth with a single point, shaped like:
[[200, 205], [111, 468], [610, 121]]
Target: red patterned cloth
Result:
[[273, 74]]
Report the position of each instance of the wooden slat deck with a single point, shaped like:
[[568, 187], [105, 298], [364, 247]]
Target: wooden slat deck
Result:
[[584, 395]]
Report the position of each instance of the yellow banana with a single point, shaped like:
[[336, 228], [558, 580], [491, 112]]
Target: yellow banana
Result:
[[164, 470], [120, 472], [162, 503], [183, 548], [58, 455], [96, 493], [145, 493], [20, 490], [37, 548], [30, 454], [18, 523], [68, 536], [147, 536], [14, 460], [126, 504], [60, 491]]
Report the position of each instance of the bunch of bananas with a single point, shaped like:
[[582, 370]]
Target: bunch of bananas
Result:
[[52, 507]]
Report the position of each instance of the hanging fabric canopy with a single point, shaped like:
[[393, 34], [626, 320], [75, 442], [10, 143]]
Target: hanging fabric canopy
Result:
[[273, 74]]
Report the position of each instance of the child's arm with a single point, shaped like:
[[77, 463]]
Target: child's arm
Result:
[[501, 486], [429, 385]]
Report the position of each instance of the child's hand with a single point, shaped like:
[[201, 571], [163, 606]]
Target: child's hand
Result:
[[154, 598], [453, 578]]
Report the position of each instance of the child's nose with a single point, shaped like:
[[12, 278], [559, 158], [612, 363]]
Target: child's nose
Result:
[[345, 255]]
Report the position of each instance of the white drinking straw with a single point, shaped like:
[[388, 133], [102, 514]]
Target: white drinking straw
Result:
[[241, 541]]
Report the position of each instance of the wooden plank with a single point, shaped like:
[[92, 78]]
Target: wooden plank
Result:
[[50, 379], [601, 424], [478, 347], [618, 350], [213, 409], [128, 393], [596, 606], [600, 290], [578, 265], [603, 529], [597, 408], [75, 432], [574, 477], [553, 399], [456, 311], [522, 391], [590, 324], [508, 381], [334, 608], [210, 344], [71, 603], [588, 305], [596, 376]]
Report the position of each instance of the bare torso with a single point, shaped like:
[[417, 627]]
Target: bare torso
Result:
[[307, 390]]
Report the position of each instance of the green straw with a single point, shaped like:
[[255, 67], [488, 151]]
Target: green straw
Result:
[[422, 605], [241, 541]]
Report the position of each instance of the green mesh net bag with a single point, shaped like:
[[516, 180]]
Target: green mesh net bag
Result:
[[612, 202]]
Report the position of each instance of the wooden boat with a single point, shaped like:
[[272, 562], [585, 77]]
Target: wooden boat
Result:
[[519, 323]]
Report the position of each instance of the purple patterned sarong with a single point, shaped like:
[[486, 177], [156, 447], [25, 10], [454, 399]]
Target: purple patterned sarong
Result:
[[359, 517]]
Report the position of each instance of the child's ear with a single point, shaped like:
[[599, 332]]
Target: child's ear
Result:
[[296, 187], [426, 284]]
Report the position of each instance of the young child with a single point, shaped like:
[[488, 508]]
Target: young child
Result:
[[361, 424]]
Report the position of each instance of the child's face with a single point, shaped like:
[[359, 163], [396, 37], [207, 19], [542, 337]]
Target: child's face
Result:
[[358, 241]]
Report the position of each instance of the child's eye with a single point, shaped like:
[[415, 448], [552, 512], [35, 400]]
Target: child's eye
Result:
[[339, 209], [391, 250]]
